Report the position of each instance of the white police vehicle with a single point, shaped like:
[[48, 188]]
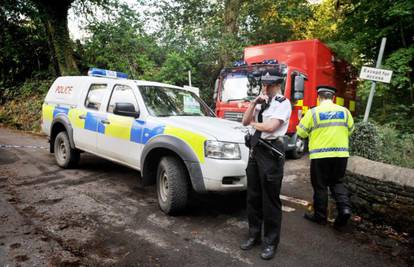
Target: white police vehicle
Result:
[[166, 132]]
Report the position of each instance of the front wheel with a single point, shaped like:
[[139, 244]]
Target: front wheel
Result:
[[65, 156], [299, 149], [172, 185]]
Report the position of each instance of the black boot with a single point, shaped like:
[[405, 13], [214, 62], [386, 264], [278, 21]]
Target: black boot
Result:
[[314, 218], [249, 243], [268, 252], [343, 217]]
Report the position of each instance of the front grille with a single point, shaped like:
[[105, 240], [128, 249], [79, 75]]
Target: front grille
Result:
[[233, 116]]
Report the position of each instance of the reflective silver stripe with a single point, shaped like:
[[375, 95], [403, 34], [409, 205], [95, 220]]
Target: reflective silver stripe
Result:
[[303, 128], [328, 124], [347, 117], [315, 122]]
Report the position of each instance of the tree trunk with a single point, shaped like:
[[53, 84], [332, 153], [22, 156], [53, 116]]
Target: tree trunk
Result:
[[231, 13], [54, 16]]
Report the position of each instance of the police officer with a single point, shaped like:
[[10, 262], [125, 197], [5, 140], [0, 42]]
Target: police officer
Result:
[[269, 116], [328, 127]]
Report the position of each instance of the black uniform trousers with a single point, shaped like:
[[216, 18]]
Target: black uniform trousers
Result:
[[264, 179], [328, 172]]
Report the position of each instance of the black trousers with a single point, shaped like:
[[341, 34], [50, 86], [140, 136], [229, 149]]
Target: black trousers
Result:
[[328, 172], [264, 179]]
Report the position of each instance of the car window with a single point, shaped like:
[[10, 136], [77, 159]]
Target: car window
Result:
[[95, 96], [122, 94], [165, 101]]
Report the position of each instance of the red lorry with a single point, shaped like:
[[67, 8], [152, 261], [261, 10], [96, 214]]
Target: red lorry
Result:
[[306, 64]]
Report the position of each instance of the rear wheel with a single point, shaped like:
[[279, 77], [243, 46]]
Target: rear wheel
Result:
[[172, 185], [65, 156]]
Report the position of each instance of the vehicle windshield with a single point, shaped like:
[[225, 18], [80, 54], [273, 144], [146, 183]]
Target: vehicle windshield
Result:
[[235, 87], [164, 101]]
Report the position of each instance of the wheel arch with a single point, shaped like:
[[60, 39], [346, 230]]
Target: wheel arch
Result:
[[165, 145], [59, 124]]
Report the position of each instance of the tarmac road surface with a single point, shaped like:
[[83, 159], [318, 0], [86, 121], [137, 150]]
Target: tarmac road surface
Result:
[[98, 215]]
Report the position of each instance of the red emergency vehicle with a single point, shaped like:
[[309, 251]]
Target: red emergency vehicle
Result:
[[307, 64]]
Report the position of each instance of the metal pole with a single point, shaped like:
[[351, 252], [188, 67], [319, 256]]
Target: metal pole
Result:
[[374, 84], [189, 77]]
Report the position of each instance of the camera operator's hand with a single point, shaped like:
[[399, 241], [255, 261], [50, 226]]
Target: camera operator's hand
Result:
[[260, 99]]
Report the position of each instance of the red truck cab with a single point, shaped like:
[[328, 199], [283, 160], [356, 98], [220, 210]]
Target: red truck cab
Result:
[[309, 63]]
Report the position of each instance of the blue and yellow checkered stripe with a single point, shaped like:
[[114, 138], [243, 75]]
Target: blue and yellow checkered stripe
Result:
[[126, 128]]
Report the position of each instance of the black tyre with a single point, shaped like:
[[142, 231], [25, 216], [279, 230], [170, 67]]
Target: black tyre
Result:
[[65, 156], [299, 149], [172, 185]]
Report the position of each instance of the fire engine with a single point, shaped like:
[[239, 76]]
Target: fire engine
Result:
[[305, 65]]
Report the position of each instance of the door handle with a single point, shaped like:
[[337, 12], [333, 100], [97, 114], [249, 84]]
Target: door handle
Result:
[[105, 121], [82, 117]]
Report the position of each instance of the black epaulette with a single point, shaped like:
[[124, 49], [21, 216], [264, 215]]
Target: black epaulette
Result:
[[280, 99]]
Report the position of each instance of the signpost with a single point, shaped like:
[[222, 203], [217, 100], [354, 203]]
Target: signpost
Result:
[[375, 75]]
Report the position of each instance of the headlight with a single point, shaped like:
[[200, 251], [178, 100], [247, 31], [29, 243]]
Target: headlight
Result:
[[222, 150]]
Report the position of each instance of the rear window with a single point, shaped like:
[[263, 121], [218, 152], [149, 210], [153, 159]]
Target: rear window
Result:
[[95, 96]]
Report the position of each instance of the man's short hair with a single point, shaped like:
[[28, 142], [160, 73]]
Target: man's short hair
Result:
[[326, 92], [326, 95]]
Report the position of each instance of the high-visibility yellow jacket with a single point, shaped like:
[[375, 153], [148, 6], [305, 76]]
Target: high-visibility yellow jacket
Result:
[[328, 127]]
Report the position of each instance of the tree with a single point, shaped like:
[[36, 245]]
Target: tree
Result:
[[364, 24], [230, 30], [120, 43], [54, 17], [23, 46], [269, 21]]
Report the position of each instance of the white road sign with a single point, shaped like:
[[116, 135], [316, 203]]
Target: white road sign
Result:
[[374, 74]]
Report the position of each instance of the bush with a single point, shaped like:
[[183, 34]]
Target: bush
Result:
[[383, 143], [397, 149], [30, 87], [23, 113], [366, 141], [21, 105]]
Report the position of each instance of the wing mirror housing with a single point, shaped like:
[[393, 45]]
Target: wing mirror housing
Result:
[[126, 109]]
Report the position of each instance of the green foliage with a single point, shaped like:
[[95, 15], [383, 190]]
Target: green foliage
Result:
[[366, 141], [383, 143], [174, 69], [268, 21], [22, 104], [121, 44], [23, 45], [397, 149], [360, 27]]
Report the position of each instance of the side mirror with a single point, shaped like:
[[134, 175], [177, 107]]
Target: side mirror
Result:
[[299, 87], [126, 109]]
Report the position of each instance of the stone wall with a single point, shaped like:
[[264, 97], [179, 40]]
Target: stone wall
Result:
[[382, 193]]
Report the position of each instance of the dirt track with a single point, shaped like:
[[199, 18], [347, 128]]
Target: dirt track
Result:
[[99, 215]]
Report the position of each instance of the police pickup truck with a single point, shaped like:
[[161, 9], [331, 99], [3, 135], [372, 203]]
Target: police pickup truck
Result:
[[165, 132]]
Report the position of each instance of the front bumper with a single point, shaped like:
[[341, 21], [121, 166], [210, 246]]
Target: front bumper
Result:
[[226, 175]]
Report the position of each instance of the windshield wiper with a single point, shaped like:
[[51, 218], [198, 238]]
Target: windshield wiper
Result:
[[189, 114]]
